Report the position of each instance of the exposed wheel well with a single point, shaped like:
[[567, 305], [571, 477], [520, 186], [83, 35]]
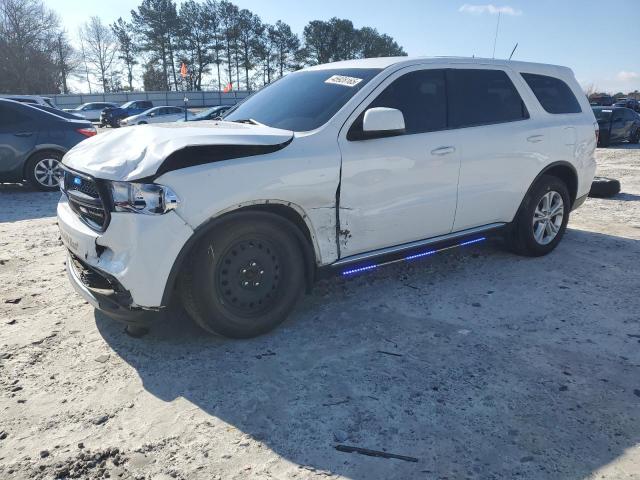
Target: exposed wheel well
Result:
[[298, 228], [568, 176]]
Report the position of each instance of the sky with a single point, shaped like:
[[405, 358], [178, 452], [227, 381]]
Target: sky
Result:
[[599, 40]]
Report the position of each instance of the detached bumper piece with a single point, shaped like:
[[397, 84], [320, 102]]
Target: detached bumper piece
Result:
[[104, 292]]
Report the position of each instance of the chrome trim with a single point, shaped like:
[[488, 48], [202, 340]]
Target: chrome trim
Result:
[[420, 243]]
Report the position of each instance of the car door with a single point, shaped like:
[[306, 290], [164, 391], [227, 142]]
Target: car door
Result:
[[18, 134], [402, 188], [618, 125], [629, 123], [159, 115], [89, 111], [500, 149]]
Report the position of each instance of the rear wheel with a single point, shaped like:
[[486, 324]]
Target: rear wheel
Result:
[[542, 218], [244, 277], [43, 170], [635, 136]]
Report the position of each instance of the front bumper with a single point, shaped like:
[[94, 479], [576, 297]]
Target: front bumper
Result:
[[136, 252], [107, 298]]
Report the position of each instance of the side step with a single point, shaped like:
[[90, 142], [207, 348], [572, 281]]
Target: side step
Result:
[[415, 250]]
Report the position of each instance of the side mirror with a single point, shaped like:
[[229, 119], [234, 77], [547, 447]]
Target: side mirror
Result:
[[382, 122], [152, 114]]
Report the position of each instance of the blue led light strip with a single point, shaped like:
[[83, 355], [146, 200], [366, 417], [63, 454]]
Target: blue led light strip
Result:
[[412, 257]]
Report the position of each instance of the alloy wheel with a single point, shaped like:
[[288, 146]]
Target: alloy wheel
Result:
[[548, 217], [47, 172]]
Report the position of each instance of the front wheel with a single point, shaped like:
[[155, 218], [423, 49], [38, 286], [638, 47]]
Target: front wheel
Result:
[[542, 218], [43, 170], [244, 277]]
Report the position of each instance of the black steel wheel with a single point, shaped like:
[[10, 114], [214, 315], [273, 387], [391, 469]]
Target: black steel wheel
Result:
[[245, 276]]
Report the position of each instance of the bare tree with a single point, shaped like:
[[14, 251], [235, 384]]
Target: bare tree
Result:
[[66, 60], [99, 49], [27, 47]]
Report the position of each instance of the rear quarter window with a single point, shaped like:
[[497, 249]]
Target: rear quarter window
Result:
[[554, 95]]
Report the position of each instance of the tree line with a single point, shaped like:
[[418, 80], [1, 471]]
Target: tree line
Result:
[[221, 44]]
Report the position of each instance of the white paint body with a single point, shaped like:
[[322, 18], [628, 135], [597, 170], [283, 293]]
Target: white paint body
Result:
[[392, 190], [156, 115]]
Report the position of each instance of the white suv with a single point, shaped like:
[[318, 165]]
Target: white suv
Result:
[[341, 167]]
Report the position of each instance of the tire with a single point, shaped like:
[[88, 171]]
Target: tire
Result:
[[142, 123], [244, 277], [534, 237], [604, 140], [602, 187], [635, 137], [41, 170]]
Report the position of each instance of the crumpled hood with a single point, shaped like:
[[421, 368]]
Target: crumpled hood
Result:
[[132, 153]]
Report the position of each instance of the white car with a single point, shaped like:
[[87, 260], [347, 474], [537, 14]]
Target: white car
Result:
[[335, 168], [157, 115], [91, 111]]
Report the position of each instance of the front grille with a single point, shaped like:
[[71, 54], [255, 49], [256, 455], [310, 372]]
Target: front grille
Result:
[[85, 199]]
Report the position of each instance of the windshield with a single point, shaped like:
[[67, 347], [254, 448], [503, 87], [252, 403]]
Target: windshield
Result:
[[126, 105], [205, 113], [302, 101], [602, 114]]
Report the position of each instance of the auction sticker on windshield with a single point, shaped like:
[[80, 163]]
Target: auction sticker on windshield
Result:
[[343, 80]]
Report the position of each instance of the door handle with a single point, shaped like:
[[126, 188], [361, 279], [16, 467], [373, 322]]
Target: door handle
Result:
[[443, 151], [535, 138], [23, 134]]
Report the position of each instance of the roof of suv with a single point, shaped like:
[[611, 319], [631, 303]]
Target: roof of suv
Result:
[[385, 62]]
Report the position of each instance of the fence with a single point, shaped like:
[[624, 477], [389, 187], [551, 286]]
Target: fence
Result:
[[196, 99]]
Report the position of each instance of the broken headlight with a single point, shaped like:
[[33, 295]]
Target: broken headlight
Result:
[[149, 198]]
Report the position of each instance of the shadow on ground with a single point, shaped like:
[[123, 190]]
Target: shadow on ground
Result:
[[22, 202], [479, 363]]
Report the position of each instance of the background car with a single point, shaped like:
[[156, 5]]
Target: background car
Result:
[[617, 124], [31, 99], [628, 103], [212, 113], [57, 111], [602, 100], [33, 141], [90, 111], [158, 115], [113, 116]]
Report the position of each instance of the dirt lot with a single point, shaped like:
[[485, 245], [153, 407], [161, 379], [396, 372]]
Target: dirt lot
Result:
[[478, 363]]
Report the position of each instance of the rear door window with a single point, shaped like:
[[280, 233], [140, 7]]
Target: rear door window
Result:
[[554, 95], [482, 97]]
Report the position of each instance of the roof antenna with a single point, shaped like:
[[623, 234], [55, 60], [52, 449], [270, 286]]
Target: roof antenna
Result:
[[513, 51], [495, 40]]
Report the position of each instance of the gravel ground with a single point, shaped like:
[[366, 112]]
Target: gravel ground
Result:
[[478, 363]]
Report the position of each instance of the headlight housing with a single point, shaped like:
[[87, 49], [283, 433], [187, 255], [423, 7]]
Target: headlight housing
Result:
[[148, 198]]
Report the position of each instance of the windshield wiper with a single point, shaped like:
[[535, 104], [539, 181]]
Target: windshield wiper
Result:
[[249, 120]]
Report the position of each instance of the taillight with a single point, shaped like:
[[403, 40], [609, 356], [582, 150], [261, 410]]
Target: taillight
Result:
[[87, 132], [597, 132]]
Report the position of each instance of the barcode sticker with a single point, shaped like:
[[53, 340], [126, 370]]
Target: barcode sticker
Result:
[[343, 80]]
